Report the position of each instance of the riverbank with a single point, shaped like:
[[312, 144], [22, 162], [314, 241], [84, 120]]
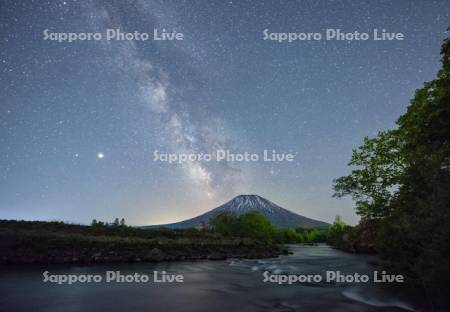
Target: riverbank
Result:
[[357, 239], [57, 242]]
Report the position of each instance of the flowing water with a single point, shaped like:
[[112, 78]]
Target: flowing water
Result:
[[230, 285]]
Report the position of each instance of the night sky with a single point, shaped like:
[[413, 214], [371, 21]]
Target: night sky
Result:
[[80, 121]]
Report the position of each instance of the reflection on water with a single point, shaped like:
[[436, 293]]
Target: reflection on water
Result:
[[232, 285]]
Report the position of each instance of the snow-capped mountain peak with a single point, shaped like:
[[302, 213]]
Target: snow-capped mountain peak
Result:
[[247, 203], [241, 204]]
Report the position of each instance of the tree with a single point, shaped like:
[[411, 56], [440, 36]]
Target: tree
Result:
[[337, 230], [379, 165], [402, 178], [116, 222], [255, 225], [94, 222], [122, 222], [416, 237], [225, 224], [252, 225]]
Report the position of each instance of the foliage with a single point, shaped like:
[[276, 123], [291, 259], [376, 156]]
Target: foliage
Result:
[[379, 165], [252, 225], [283, 235], [256, 226], [337, 231], [314, 235]]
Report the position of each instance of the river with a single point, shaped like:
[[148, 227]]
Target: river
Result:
[[230, 285]]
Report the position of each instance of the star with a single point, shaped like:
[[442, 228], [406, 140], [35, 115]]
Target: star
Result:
[[197, 96]]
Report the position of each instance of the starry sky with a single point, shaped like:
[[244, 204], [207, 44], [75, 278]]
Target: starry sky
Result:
[[80, 121]]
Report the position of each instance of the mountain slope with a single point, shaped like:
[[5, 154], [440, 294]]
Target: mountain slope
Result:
[[241, 204]]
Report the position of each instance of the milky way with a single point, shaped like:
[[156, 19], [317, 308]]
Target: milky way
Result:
[[80, 120]]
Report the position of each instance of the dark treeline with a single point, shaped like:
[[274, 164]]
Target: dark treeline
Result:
[[59, 242], [96, 228], [115, 223], [400, 181]]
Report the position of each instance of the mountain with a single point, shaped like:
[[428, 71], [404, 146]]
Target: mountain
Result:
[[241, 204]]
